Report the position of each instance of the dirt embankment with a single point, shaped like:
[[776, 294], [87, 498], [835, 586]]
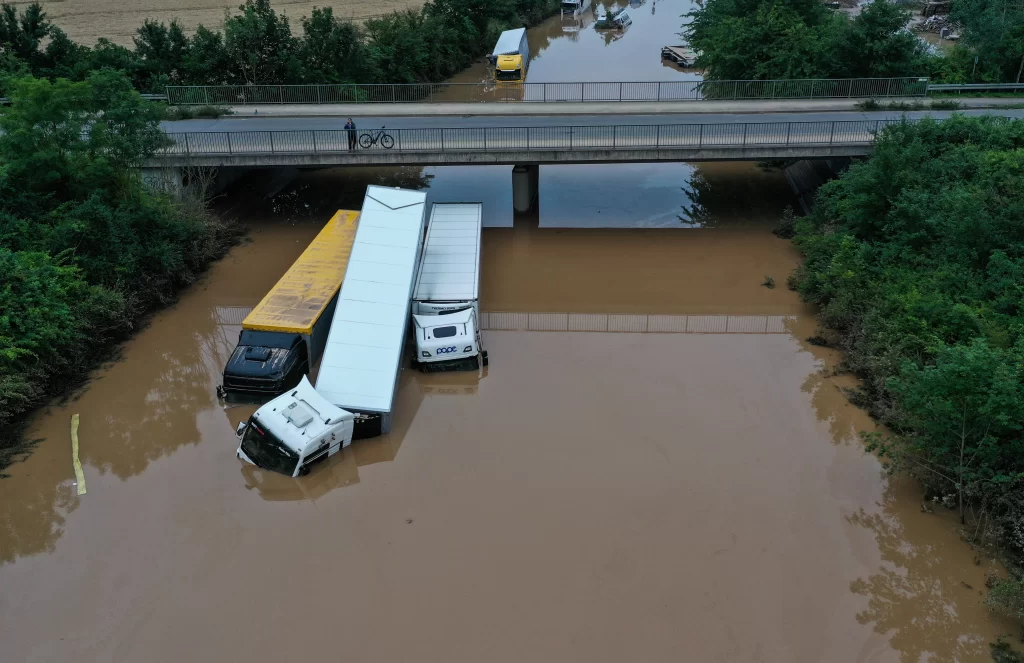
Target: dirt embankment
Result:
[[85, 21]]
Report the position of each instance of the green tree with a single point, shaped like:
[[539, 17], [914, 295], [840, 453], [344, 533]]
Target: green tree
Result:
[[161, 51], [331, 51], [65, 140], [399, 47], [260, 45], [207, 61], [787, 39], [994, 32], [22, 36]]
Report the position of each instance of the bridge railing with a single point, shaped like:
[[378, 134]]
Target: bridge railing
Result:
[[498, 139], [246, 95]]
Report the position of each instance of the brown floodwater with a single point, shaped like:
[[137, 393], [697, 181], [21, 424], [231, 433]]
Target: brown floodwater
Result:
[[591, 497], [569, 48]]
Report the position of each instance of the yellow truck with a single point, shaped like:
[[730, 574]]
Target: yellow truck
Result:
[[511, 56], [285, 334]]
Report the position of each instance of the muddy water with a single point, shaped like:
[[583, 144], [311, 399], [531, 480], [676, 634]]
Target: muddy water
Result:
[[569, 48], [593, 497]]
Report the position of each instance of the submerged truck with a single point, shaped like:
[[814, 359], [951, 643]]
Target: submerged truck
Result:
[[511, 56], [445, 301], [284, 336], [359, 373]]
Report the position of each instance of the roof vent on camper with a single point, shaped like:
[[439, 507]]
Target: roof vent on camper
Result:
[[298, 415]]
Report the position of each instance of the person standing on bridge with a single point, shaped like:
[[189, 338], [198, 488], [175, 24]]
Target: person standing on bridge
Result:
[[350, 127]]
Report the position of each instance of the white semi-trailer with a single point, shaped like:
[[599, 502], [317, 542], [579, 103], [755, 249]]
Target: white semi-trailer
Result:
[[358, 380], [446, 309]]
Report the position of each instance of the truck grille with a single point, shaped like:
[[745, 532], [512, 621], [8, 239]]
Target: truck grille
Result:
[[255, 385]]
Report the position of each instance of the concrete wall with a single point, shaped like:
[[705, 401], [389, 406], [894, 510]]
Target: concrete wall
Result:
[[805, 177]]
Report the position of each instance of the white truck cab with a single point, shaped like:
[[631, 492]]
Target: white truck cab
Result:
[[445, 302], [295, 430], [450, 341]]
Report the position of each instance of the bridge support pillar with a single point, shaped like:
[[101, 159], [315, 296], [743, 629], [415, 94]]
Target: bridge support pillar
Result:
[[525, 182], [163, 180]]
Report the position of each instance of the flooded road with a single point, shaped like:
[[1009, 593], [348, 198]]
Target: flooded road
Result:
[[592, 497], [569, 48]]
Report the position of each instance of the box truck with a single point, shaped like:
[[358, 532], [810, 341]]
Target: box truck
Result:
[[284, 336], [511, 56]]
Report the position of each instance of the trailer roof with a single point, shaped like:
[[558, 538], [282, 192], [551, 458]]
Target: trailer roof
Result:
[[299, 298], [509, 41], [360, 366], [451, 255]]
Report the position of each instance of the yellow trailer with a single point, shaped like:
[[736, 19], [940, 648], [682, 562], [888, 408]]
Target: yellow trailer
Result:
[[285, 334]]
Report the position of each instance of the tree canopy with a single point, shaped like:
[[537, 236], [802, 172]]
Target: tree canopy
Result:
[[787, 39]]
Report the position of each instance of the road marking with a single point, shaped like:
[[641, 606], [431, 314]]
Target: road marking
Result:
[[79, 474]]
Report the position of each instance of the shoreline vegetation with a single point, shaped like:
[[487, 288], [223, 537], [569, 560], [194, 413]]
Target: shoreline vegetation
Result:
[[915, 260]]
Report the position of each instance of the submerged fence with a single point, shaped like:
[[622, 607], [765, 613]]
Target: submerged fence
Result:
[[501, 139], [242, 95]]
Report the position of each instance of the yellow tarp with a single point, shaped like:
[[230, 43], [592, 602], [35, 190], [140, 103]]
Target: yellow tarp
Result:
[[296, 302]]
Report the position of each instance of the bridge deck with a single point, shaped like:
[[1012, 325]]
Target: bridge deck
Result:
[[534, 140]]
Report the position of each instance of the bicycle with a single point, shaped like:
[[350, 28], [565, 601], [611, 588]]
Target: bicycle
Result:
[[369, 139]]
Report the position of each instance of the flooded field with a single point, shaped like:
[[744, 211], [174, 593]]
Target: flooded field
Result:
[[591, 497]]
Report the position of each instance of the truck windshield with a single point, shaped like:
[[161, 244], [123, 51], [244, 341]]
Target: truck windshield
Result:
[[267, 451], [258, 338]]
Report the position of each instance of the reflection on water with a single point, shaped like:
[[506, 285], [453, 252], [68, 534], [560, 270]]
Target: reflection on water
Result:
[[672, 491], [927, 586]]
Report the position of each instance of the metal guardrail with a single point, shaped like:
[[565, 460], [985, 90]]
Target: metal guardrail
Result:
[[975, 87], [148, 97], [560, 138], [547, 92]]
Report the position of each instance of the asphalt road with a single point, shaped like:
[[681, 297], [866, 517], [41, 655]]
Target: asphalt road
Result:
[[269, 123]]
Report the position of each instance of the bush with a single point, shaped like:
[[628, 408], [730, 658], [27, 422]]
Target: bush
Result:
[[172, 113], [1007, 596]]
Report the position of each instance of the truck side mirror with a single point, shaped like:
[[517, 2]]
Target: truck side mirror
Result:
[[240, 428]]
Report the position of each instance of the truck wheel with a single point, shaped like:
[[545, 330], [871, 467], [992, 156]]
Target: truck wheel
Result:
[[304, 471], [486, 361]]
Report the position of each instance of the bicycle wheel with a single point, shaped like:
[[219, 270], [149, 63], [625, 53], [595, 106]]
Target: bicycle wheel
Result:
[[387, 141], [365, 141]]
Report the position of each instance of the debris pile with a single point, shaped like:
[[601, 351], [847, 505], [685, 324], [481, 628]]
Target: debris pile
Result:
[[935, 24]]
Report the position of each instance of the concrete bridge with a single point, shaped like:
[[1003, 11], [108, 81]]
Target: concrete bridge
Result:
[[524, 141], [523, 144]]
